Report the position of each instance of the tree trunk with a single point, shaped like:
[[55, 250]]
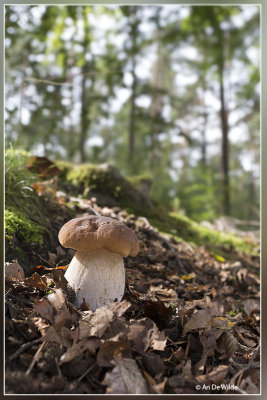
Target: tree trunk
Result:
[[84, 123], [156, 107], [225, 146], [131, 141], [204, 126]]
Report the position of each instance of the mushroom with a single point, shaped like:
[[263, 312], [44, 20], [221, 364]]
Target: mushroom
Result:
[[96, 272]]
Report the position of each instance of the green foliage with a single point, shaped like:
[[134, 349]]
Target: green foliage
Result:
[[64, 69], [23, 218], [183, 228], [17, 179], [18, 225]]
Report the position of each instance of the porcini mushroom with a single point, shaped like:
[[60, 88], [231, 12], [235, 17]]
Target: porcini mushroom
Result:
[[96, 272]]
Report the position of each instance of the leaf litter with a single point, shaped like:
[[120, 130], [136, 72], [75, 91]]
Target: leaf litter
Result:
[[188, 323]]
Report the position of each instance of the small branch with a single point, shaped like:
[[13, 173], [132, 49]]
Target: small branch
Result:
[[48, 82], [35, 358], [86, 372], [247, 366], [24, 347], [41, 258], [19, 299]]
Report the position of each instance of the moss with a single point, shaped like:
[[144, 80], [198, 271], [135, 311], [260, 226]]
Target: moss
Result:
[[64, 167], [106, 184], [185, 229], [138, 180], [18, 225]]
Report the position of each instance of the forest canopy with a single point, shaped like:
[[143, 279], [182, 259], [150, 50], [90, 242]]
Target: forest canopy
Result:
[[170, 92]]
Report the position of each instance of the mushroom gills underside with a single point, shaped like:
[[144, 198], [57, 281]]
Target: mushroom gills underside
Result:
[[97, 276]]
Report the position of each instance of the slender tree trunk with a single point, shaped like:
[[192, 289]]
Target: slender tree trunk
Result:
[[22, 97], [70, 145], [84, 122], [225, 146], [252, 185], [204, 124], [131, 141], [157, 84]]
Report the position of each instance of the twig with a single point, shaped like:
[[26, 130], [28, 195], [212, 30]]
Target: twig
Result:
[[19, 299], [35, 358], [41, 258], [94, 211], [57, 366], [48, 82], [246, 367], [86, 372], [24, 347]]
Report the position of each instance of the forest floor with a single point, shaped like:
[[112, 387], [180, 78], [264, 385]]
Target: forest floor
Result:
[[188, 322]]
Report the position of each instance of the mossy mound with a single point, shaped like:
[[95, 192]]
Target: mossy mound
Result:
[[220, 243], [30, 226], [106, 184], [18, 224]]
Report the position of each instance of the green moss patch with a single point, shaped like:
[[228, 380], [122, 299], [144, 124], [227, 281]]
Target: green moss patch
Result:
[[106, 184], [18, 225], [185, 229]]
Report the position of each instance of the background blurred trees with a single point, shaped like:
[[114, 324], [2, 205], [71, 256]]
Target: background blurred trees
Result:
[[167, 91]]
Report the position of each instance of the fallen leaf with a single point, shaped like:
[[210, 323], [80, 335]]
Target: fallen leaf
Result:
[[90, 344], [192, 275], [125, 378], [216, 376], [14, 271], [158, 312], [250, 306], [200, 319], [109, 350], [36, 281], [153, 363], [95, 323], [228, 343], [155, 387], [45, 309]]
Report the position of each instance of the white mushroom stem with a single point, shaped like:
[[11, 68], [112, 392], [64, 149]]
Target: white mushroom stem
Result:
[[97, 276]]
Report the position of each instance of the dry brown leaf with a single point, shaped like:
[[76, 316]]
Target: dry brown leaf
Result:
[[251, 305], [90, 344], [52, 335], [109, 350], [155, 387], [119, 308], [216, 376], [125, 378], [41, 324], [158, 340], [14, 271], [36, 281], [144, 333], [95, 323], [200, 319], [228, 343], [45, 309], [158, 312], [153, 363]]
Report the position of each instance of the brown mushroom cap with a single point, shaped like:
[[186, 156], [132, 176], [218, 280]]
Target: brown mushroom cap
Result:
[[96, 232]]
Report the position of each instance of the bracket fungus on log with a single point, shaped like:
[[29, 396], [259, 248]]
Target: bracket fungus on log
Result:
[[96, 272]]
